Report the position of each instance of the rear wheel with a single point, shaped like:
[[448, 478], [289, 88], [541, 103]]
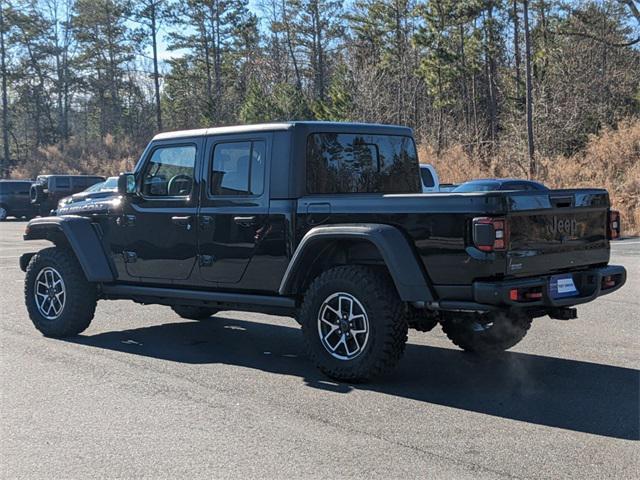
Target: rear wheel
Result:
[[422, 319], [487, 334], [3, 213], [59, 299], [353, 323], [194, 313]]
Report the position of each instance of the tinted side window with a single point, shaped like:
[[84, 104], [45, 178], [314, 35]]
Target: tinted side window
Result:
[[18, 188], [238, 168], [516, 186], [427, 178], [63, 182], [350, 163], [169, 172]]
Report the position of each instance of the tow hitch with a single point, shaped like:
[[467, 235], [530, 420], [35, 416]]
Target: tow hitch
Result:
[[563, 313]]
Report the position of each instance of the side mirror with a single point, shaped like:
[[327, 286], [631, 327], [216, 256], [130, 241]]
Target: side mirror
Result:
[[127, 184]]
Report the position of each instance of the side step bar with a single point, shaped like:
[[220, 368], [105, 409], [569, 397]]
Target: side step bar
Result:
[[162, 295]]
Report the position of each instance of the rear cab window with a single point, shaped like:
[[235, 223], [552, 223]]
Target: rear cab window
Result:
[[361, 163]]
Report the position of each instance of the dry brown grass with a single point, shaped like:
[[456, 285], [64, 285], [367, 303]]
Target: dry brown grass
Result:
[[610, 160], [108, 157]]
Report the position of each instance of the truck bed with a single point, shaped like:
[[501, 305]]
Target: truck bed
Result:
[[440, 227]]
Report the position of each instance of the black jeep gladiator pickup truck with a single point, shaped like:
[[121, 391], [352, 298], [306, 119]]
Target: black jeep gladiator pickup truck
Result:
[[324, 222]]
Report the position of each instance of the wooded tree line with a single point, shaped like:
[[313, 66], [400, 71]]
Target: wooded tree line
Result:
[[79, 73]]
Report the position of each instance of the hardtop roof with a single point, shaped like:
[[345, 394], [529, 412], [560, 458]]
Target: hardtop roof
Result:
[[280, 126]]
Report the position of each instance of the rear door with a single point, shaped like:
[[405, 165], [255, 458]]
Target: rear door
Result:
[[557, 230], [234, 205]]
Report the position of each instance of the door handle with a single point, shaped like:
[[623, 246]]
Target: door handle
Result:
[[182, 221], [245, 221]]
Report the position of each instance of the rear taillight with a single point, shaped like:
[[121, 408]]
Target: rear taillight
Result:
[[613, 228], [525, 294], [490, 234]]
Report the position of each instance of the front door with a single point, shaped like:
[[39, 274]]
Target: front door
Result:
[[160, 221], [234, 205]]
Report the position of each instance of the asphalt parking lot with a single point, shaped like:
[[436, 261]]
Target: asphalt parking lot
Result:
[[145, 394]]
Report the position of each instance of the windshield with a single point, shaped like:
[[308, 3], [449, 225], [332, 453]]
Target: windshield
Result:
[[477, 187], [95, 188], [110, 185]]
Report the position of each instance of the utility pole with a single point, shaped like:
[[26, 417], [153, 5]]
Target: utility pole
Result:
[[156, 75], [516, 48], [527, 47], [4, 165]]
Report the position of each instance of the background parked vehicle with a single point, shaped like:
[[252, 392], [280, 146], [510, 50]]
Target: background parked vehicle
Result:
[[495, 184], [429, 178], [48, 190], [447, 187], [14, 199], [99, 190]]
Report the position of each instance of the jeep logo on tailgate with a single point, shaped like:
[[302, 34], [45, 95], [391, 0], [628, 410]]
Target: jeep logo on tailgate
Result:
[[564, 226]]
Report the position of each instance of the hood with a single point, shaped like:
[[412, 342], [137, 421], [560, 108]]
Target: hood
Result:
[[81, 196], [92, 205]]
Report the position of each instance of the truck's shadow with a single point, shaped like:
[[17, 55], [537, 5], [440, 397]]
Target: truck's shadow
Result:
[[569, 394]]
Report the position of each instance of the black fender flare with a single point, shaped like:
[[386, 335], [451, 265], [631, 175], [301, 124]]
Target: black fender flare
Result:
[[83, 239], [396, 251]]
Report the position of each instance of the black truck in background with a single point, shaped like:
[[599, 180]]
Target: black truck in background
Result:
[[48, 190], [324, 222]]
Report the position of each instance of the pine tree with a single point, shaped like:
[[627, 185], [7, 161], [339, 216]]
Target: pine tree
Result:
[[450, 63], [338, 104], [221, 35], [106, 47], [284, 103], [317, 28]]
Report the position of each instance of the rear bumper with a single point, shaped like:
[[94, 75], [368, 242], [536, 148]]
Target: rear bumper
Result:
[[589, 284]]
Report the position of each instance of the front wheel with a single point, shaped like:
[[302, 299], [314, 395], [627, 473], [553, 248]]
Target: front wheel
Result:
[[59, 299], [353, 323], [485, 334], [3, 213]]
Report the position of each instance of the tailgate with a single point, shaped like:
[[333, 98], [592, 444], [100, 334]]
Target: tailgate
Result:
[[557, 230]]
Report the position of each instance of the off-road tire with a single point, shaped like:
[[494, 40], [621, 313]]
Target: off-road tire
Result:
[[81, 295], [36, 193], [387, 337], [191, 312], [506, 331]]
